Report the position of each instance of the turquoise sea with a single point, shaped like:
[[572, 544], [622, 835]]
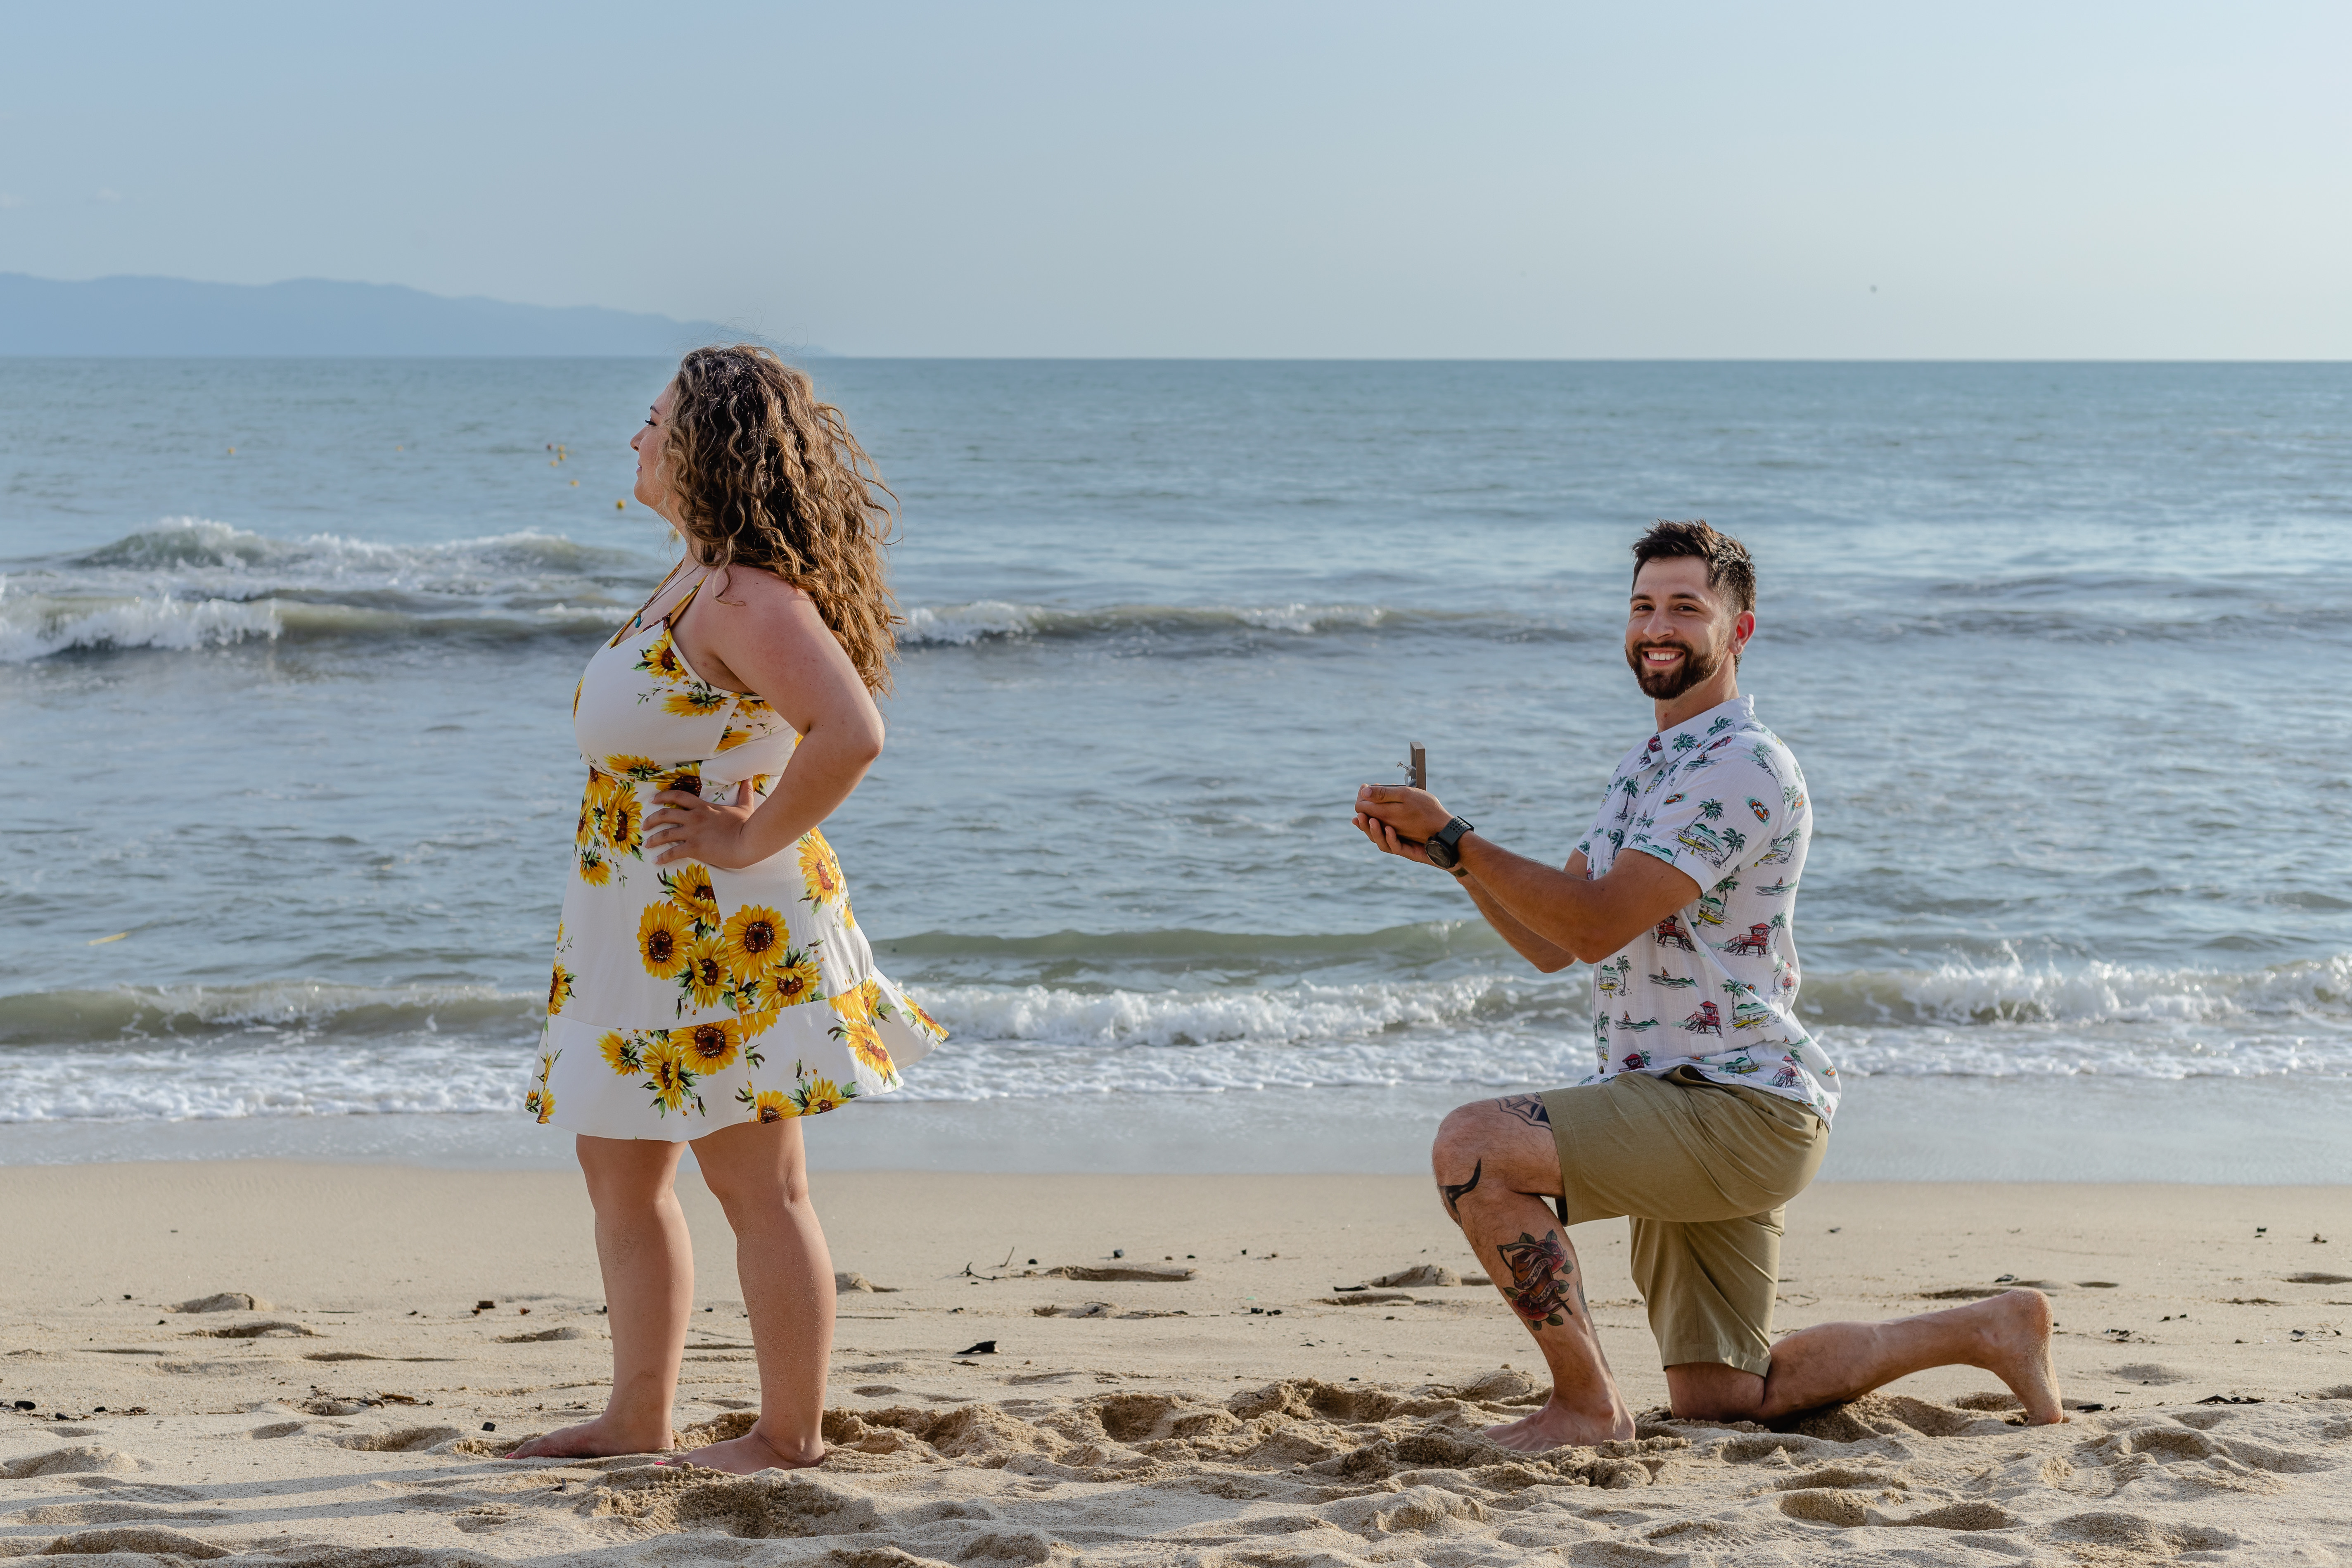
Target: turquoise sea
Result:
[[2059, 647]]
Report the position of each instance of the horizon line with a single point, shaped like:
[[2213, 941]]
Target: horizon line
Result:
[[6, 355]]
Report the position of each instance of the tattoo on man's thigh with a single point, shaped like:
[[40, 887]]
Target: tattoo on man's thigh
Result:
[[1454, 1192], [1540, 1274], [1527, 1107]]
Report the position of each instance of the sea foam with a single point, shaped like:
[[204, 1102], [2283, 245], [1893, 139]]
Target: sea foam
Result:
[[34, 625]]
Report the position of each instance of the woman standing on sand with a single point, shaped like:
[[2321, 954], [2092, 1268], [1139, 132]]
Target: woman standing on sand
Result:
[[710, 983]]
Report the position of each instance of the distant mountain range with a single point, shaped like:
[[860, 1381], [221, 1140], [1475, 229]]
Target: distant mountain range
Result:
[[173, 317]]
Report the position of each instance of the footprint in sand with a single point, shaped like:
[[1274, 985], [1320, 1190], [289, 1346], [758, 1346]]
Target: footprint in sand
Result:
[[114, 1513], [260, 1328], [144, 1540], [401, 1440], [86, 1459]]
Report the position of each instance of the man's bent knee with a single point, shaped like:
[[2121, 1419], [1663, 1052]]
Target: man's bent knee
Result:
[[1712, 1391], [1457, 1158], [1460, 1140]]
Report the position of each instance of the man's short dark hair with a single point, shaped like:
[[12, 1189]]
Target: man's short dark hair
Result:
[[1729, 571]]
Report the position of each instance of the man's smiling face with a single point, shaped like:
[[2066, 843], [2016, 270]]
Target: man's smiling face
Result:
[[1679, 630]]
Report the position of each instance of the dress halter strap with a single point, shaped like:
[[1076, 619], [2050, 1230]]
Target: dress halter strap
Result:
[[670, 615], [637, 622]]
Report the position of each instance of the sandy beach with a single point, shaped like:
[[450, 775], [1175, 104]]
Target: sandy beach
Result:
[[405, 1326]]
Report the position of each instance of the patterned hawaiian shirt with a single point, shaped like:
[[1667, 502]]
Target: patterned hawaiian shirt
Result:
[[1713, 986]]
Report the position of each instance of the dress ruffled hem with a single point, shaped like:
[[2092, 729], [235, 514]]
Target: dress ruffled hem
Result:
[[677, 1081]]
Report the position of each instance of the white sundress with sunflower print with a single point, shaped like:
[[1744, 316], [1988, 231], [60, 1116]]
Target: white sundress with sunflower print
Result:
[[684, 997]]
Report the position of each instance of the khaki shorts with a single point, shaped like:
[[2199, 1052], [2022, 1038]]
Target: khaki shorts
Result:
[[1702, 1170]]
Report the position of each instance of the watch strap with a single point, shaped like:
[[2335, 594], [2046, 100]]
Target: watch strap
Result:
[[1443, 846]]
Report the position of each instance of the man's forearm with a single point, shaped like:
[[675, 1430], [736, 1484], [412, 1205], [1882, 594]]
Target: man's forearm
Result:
[[1546, 957], [1550, 906]]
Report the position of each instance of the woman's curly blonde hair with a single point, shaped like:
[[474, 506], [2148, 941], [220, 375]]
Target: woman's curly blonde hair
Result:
[[766, 476]]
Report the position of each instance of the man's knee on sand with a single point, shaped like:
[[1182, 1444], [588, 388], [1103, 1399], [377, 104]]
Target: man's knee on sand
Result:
[[1712, 1391]]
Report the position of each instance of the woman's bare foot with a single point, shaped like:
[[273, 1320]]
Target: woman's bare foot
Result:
[[2016, 1338], [753, 1452], [597, 1439], [1557, 1426]]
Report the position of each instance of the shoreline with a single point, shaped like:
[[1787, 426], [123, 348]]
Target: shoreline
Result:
[[2227, 1132]]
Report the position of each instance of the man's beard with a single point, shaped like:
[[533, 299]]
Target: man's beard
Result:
[[1697, 666]]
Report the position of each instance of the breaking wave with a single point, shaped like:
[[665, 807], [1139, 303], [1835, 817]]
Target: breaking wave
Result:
[[1298, 1018], [194, 582]]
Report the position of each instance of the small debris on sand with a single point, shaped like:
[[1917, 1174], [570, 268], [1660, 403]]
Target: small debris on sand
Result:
[[223, 1301]]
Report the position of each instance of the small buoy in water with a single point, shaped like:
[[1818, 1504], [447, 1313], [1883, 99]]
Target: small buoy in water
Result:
[[232, 451], [620, 506], [575, 484]]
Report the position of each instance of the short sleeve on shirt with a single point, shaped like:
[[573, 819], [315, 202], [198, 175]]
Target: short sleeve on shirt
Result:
[[1713, 814]]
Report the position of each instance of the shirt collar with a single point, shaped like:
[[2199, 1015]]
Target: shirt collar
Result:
[[1739, 710]]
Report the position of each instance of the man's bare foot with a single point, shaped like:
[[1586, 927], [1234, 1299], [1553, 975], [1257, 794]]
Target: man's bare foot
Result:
[[597, 1439], [751, 1452], [1557, 1426], [2016, 1336]]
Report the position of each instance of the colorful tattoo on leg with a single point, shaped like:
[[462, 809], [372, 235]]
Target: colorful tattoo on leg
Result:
[[1540, 1279], [1527, 1107], [1453, 1194]]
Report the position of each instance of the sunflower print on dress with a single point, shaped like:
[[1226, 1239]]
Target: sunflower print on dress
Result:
[[662, 660], [541, 1101], [661, 936], [813, 1096], [624, 821], [695, 699], [689, 887], [766, 1105], [671, 1076], [820, 871], [857, 1010], [794, 979], [704, 980], [628, 765], [665, 1060], [922, 1020], [621, 1052], [790, 982], [710, 1047], [755, 938]]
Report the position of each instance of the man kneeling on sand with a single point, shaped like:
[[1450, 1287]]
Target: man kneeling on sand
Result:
[[1709, 1107]]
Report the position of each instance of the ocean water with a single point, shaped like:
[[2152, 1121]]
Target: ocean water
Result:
[[2058, 646]]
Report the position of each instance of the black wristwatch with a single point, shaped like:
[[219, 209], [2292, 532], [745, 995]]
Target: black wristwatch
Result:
[[1441, 846]]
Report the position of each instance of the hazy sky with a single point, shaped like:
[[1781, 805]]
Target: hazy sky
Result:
[[2015, 180]]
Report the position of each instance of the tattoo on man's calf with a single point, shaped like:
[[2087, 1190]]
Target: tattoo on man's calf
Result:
[[1452, 1193], [1540, 1278]]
